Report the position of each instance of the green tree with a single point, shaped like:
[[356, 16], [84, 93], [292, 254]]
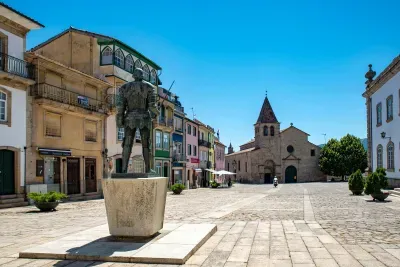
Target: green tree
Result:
[[344, 157]]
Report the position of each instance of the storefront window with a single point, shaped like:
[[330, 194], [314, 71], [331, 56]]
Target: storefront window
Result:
[[178, 176], [51, 170]]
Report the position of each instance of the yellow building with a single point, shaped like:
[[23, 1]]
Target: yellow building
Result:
[[66, 140], [206, 149], [109, 59]]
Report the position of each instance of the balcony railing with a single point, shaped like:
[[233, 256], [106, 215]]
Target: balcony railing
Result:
[[180, 109], [179, 158], [204, 143], [17, 66], [162, 121], [62, 95]]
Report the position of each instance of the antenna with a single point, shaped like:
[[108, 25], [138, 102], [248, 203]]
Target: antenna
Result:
[[194, 115]]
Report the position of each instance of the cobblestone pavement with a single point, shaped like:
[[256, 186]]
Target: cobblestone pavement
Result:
[[298, 225]]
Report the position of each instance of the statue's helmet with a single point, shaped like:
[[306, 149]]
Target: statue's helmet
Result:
[[138, 74]]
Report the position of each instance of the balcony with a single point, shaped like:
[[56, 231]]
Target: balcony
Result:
[[179, 158], [62, 95], [164, 123], [204, 143], [16, 66]]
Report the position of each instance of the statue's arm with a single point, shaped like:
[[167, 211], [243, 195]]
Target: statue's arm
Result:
[[121, 107], [152, 101]]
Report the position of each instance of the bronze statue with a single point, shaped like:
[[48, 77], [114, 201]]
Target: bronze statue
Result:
[[137, 109]]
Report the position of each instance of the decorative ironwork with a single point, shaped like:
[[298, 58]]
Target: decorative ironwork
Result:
[[179, 157], [204, 143], [62, 95], [17, 66]]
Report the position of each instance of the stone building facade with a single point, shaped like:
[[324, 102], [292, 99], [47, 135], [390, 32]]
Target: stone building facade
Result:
[[286, 154], [382, 96]]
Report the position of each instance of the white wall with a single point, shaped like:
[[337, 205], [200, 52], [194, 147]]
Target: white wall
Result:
[[16, 134], [391, 128], [15, 45]]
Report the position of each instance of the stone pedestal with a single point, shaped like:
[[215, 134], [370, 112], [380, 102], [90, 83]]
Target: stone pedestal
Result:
[[135, 207]]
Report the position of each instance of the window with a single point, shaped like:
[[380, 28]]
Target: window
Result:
[[228, 167], [272, 130], [265, 130], [166, 141], [90, 131], [290, 149], [245, 166], [138, 64], [158, 140], [53, 124], [146, 73], [153, 76], [158, 168], [194, 150], [120, 134], [390, 156], [178, 124], [189, 130], [379, 114], [189, 150], [106, 56], [194, 131], [239, 165], [119, 59], [202, 136], [379, 156], [312, 152], [389, 108], [3, 106], [177, 148], [129, 63], [138, 165], [137, 135]]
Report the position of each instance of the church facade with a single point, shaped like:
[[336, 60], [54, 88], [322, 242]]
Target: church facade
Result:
[[286, 154]]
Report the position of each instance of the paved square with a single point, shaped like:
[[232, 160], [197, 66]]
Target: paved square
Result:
[[312, 224]]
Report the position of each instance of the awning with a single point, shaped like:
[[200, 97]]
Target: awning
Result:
[[212, 171], [224, 172], [55, 152]]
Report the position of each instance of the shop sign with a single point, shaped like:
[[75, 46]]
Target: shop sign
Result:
[[194, 160], [55, 152]]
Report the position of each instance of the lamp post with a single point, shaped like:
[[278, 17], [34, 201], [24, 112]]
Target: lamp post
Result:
[[383, 135]]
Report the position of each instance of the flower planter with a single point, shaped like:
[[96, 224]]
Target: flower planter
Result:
[[46, 206], [379, 196], [357, 191]]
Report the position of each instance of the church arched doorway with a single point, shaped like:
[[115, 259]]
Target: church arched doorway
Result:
[[267, 176], [291, 174]]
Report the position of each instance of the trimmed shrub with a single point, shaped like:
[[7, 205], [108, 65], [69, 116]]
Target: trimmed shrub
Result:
[[177, 188], [356, 183], [214, 184], [376, 181], [47, 197]]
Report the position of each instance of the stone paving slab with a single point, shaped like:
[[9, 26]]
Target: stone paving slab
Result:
[[174, 245]]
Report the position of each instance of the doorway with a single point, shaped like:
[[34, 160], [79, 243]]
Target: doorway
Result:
[[267, 178], [165, 171], [90, 175], [118, 165], [73, 176], [7, 182], [51, 170], [291, 174]]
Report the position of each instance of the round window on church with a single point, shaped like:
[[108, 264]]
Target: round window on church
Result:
[[290, 149]]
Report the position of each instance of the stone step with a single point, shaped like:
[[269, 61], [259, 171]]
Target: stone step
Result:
[[12, 200], [13, 205], [8, 196]]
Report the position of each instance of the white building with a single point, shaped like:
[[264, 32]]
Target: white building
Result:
[[383, 114], [16, 75]]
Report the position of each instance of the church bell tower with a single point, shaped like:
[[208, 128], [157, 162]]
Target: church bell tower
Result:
[[267, 127]]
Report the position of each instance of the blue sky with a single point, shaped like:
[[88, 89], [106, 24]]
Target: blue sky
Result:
[[311, 56]]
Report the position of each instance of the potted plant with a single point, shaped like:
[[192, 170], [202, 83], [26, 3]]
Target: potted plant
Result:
[[214, 184], [47, 201], [375, 182], [177, 188], [356, 183]]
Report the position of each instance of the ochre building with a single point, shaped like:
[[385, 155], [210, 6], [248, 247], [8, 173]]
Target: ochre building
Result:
[[286, 154]]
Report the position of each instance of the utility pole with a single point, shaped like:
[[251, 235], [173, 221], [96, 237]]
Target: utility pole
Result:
[[194, 115]]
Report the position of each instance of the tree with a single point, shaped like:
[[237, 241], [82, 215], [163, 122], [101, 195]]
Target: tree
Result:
[[344, 157]]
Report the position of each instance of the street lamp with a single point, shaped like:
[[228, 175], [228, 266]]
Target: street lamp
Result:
[[383, 135]]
